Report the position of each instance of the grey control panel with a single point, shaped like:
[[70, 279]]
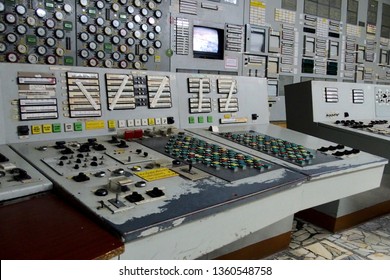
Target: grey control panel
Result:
[[17, 177]]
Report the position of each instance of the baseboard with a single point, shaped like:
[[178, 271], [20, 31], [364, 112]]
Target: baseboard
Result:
[[261, 249], [344, 222]]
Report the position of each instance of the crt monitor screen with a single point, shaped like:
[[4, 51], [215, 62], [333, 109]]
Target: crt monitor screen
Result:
[[207, 42]]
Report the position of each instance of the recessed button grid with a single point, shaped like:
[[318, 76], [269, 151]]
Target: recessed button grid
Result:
[[279, 148]]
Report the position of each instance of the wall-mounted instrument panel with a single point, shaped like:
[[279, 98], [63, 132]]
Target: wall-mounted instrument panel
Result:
[[91, 33], [284, 41]]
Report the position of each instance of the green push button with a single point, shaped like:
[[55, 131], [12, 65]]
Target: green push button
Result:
[[191, 119], [209, 119], [56, 127], [78, 126], [200, 119], [68, 60]]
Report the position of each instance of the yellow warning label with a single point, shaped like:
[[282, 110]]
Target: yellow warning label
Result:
[[90, 125], [255, 3], [36, 129], [151, 121], [156, 174]]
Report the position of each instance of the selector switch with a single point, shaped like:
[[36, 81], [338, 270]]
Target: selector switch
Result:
[[155, 192], [134, 197], [81, 177]]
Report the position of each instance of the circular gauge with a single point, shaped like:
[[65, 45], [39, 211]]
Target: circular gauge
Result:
[[3, 47], [116, 56], [12, 57], [10, 18], [2, 7], [158, 1], [157, 44], [158, 14], [92, 46], [157, 28], [22, 49], [100, 54], [50, 23], [31, 21], [92, 28], [144, 12], [123, 48], [130, 57], [2, 27], [20, 9], [100, 5], [107, 30], [130, 9], [93, 62], [144, 27], [130, 41], [137, 3], [115, 23], [151, 5], [108, 63], [151, 36], [84, 3], [123, 32], [137, 65], [21, 29], [123, 2], [115, 7], [151, 21], [137, 34], [144, 43], [59, 34], [115, 40], [41, 31], [50, 41], [40, 13], [83, 19], [67, 8], [123, 64], [41, 50], [33, 58], [11, 38], [130, 25], [59, 16], [137, 18], [151, 51], [60, 52], [100, 21], [84, 53], [144, 58], [50, 59], [84, 36]]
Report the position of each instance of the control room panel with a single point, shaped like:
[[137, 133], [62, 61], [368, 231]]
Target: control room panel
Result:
[[140, 148], [285, 41], [155, 114]]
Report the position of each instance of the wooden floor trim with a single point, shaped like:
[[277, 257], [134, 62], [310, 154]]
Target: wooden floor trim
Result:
[[344, 222], [261, 249]]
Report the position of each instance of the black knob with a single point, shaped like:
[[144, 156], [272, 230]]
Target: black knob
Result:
[[81, 177], [155, 192], [101, 192]]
